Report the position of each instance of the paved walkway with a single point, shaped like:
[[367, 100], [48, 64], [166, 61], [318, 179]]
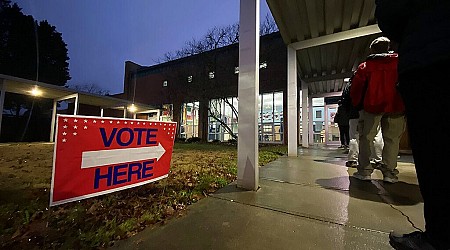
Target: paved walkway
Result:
[[307, 202]]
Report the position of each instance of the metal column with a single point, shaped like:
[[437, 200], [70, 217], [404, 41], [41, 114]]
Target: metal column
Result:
[[311, 123], [55, 103], [52, 128], [248, 92], [305, 117], [292, 101], [75, 108], [2, 101]]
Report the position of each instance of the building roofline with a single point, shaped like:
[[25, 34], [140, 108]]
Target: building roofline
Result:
[[144, 69]]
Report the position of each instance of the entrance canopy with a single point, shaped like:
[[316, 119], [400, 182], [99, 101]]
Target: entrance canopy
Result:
[[326, 40], [330, 38], [10, 84], [22, 86]]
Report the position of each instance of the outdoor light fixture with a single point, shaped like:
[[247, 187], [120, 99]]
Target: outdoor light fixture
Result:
[[35, 91], [132, 108]]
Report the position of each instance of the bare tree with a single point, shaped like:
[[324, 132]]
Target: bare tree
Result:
[[215, 38], [202, 86], [214, 111], [268, 26], [89, 88]]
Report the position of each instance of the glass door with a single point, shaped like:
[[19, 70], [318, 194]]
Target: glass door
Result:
[[319, 129], [331, 128]]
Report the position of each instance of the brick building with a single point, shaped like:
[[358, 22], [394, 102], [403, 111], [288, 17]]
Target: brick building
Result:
[[200, 91]]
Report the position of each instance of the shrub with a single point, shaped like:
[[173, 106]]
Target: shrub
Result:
[[232, 141], [193, 139], [179, 139]]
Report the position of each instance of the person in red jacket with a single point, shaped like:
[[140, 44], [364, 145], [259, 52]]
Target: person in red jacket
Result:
[[374, 91]]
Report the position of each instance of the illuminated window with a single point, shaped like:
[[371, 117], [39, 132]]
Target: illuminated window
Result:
[[211, 75], [167, 112], [263, 65], [164, 83], [270, 118], [319, 113], [189, 120], [189, 79], [223, 118]]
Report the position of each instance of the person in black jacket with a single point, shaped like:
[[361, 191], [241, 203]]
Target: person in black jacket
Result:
[[353, 145], [342, 118], [353, 116], [422, 30]]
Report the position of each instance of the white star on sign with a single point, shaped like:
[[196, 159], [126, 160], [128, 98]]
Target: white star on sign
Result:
[[85, 121], [110, 122], [75, 127], [138, 123], [118, 122], [126, 122], [65, 126], [74, 133], [65, 119], [64, 140], [103, 121], [64, 133], [85, 127], [131, 122], [75, 120], [95, 121], [144, 123]]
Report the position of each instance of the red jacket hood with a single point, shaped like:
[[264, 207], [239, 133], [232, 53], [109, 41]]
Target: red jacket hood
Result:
[[382, 60]]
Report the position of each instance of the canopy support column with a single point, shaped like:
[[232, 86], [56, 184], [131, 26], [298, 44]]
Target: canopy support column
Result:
[[305, 118], [2, 101], [292, 101], [52, 128], [248, 92]]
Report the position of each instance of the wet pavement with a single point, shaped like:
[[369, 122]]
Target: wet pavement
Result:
[[304, 202]]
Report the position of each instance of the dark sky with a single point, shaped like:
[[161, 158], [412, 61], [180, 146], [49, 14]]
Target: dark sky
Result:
[[102, 34]]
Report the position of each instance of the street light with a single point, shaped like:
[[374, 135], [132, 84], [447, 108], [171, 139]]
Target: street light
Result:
[[35, 91], [132, 108]]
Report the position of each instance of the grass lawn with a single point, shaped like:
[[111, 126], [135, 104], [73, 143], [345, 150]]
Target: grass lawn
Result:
[[26, 221]]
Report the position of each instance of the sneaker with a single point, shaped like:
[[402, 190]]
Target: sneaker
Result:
[[415, 240], [389, 176], [390, 179], [377, 165], [351, 164], [362, 177]]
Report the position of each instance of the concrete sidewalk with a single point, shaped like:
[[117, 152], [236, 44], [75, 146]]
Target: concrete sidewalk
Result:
[[307, 202]]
